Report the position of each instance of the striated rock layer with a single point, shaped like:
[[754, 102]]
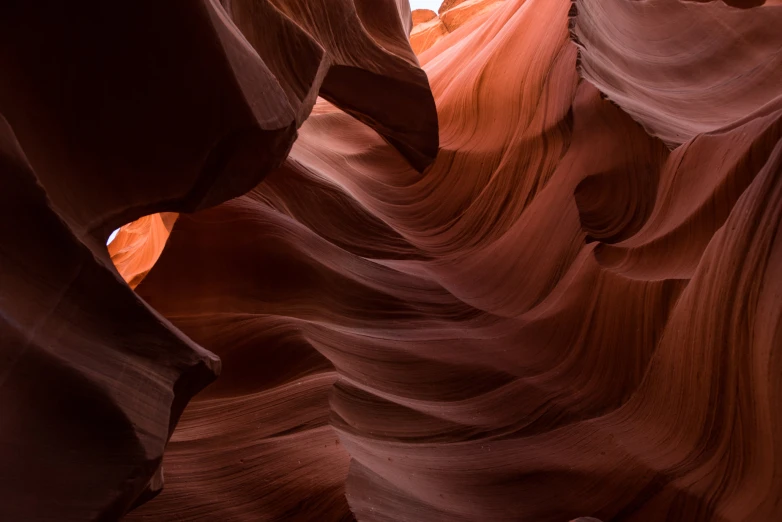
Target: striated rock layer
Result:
[[682, 68], [574, 312], [110, 113], [562, 318], [429, 28]]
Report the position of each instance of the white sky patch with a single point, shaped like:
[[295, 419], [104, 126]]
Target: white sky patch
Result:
[[433, 5], [112, 236]]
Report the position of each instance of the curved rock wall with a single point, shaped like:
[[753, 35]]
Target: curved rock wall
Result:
[[573, 311]]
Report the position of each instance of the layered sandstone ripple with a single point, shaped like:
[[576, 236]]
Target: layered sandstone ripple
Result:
[[572, 312]]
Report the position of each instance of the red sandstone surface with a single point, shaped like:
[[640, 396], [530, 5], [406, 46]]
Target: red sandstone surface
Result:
[[531, 271]]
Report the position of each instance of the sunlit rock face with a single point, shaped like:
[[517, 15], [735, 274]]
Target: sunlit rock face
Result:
[[526, 265], [429, 28], [136, 247]]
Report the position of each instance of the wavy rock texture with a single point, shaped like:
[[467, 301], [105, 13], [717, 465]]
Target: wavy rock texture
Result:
[[138, 245], [429, 28], [353, 53], [92, 381], [710, 64], [108, 114], [564, 317], [561, 319]]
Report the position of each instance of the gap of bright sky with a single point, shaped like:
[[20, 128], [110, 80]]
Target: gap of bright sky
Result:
[[434, 5]]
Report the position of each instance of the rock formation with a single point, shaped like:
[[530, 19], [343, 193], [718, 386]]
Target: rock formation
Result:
[[138, 245], [110, 113], [711, 65], [572, 312], [429, 28]]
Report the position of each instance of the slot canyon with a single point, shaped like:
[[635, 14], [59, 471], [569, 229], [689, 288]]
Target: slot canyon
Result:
[[510, 260]]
